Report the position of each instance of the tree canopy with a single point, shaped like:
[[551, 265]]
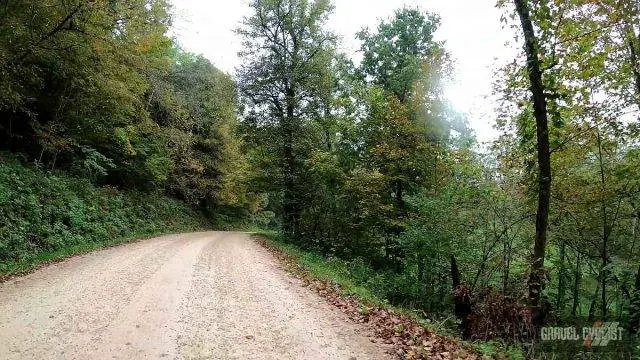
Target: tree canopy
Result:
[[98, 88]]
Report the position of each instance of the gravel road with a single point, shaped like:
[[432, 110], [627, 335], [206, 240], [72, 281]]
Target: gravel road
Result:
[[214, 295]]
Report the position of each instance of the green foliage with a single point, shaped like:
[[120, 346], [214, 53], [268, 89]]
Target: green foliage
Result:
[[94, 165], [393, 55], [45, 215], [195, 104], [100, 89], [497, 349], [284, 82], [371, 287], [76, 70]]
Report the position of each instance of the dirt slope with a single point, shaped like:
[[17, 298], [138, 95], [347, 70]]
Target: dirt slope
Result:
[[210, 295]]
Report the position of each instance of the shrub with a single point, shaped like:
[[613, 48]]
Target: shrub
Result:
[[47, 212]]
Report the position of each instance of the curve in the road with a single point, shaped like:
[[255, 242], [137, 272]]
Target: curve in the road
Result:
[[214, 295]]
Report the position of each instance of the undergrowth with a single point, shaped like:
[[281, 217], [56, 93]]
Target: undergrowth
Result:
[[346, 276], [49, 216]]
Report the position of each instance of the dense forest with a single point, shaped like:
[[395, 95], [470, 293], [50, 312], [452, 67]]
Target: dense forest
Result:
[[366, 162]]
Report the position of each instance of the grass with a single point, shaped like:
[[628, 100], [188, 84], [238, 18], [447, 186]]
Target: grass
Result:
[[334, 271], [337, 272], [49, 216], [32, 262]]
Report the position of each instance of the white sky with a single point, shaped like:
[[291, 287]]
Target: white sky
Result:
[[471, 29]]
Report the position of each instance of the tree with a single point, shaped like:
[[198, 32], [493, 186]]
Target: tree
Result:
[[393, 56], [544, 156], [404, 61], [284, 75], [77, 75], [96, 88], [195, 106], [587, 82]]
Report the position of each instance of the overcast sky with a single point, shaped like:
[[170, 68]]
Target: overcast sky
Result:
[[471, 29]]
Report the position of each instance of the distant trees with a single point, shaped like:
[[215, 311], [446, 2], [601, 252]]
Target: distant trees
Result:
[[197, 104]]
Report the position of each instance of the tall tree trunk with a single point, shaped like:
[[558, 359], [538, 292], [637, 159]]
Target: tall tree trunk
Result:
[[603, 281], [290, 205], [635, 66], [593, 305], [633, 42], [634, 310], [606, 230], [576, 287], [561, 279], [544, 159], [455, 272]]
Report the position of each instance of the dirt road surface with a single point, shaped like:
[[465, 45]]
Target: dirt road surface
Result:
[[212, 295]]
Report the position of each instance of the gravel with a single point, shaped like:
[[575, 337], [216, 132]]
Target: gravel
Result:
[[213, 295]]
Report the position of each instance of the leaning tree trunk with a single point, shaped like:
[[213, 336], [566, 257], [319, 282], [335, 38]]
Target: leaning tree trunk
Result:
[[633, 43], [544, 159], [606, 231]]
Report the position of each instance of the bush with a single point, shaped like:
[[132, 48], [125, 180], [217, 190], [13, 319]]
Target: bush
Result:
[[48, 212]]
